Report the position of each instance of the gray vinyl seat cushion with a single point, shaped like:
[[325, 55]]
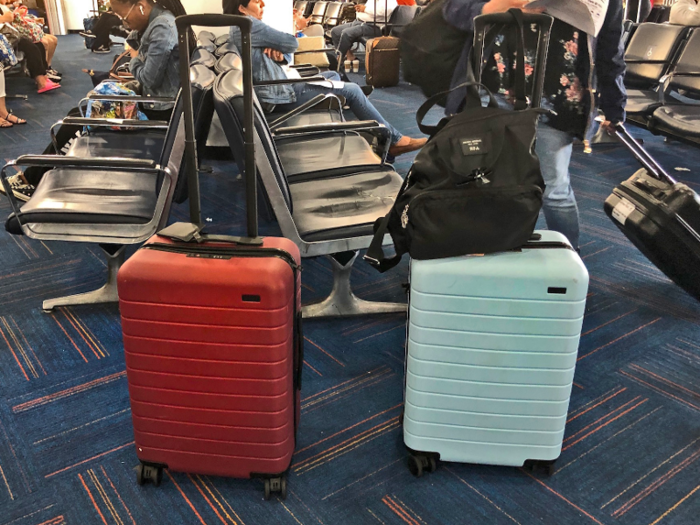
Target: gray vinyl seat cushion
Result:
[[339, 153], [681, 119], [72, 196], [138, 144], [343, 207], [641, 101], [310, 118]]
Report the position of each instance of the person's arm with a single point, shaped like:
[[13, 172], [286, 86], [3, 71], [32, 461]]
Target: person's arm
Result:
[[610, 64], [461, 13], [150, 69], [7, 16], [685, 13], [262, 35]]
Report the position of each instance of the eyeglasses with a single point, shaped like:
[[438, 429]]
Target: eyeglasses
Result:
[[123, 18]]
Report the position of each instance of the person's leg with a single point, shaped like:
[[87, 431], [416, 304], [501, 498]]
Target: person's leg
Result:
[[354, 97], [36, 62], [554, 149], [350, 34], [50, 43], [102, 30], [337, 31]]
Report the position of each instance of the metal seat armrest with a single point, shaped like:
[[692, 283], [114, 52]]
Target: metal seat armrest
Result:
[[361, 125], [324, 50], [123, 98], [114, 163], [105, 122], [290, 81], [318, 99]]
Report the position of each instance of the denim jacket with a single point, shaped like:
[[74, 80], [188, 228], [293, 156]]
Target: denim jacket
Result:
[[264, 68], [156, 66], [602, 57]]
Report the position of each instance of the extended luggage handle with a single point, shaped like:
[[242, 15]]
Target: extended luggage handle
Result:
[[544, 25], [183, 24], [642, 155]]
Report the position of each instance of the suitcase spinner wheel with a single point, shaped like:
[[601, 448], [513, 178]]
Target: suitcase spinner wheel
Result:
[[278, 484], [419, 463], [146, 472], [548, 467]]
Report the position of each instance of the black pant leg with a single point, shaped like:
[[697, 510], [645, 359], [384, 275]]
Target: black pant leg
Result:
[[36, 60]]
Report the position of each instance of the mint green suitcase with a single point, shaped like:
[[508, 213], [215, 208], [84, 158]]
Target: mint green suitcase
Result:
[[491, 351]]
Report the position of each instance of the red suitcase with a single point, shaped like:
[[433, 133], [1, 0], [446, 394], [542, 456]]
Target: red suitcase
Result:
[[213, 344]]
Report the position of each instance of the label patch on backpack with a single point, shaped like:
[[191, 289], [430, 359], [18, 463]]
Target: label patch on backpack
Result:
[[473, 147], [622, 210]]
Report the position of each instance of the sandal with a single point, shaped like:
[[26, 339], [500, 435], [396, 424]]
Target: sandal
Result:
[[5, 123], [9, 118]]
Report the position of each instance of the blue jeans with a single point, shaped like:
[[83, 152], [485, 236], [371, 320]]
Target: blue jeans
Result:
[[356, 99], [345, 35], [554, 149]]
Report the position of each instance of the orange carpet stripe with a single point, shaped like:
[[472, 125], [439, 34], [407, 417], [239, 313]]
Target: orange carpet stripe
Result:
[[675, 506], [657, 467], [322, 350], [398, 511], [70, 339], [402, 325], [349, 392], [487, 499], [21, 332], [26, 243], [2, 473], [290, 512], [600, 419], [207, 499], [19, 347], [660, 390], [563, 498], [596, 405], [341, 384], [216, 500], [348, 428], [349, 447], [54, 521], [38, 442], [85, 330], [187, 500], [14, 355], [80, 333], [619, 338], [664, 380], [604, 425], [342, 443], [414, 515], [312, 368], [225, 501], [357, 384], [688, 343], [89, 459], [118, 496], [360, 480], [92, 499], [596, 253], [656, 484], [105, 498], [67, 392], [608, 322]]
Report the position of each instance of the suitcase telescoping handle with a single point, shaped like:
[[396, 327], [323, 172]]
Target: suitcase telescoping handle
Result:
[[183, 24], [642, 155], [544, 25]]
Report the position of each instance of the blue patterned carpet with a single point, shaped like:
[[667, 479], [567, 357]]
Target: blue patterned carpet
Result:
[[632, 444]]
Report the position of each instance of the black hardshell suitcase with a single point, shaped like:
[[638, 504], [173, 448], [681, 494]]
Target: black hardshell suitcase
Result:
[[660, 216]]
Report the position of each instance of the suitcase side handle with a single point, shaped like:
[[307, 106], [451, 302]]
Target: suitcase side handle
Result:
[[642, 155]]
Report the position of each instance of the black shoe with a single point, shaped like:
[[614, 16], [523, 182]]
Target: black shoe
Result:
[[367, 90], [51, 76], [102, 49], [87, 34], [55, 73]]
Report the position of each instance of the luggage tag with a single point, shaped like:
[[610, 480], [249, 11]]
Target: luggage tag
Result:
[[181, 231]]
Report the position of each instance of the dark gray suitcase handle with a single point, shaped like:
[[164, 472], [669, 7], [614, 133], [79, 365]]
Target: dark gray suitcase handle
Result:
[[642, 155]]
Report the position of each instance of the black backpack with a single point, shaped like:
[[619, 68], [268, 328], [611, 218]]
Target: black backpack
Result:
[[430, 49], [475, 187]]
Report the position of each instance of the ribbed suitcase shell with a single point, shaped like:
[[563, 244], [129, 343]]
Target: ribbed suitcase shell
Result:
[[211, 374], [491, 351]]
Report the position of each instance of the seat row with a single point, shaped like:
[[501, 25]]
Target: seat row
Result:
[[73, 203], [663, 80]]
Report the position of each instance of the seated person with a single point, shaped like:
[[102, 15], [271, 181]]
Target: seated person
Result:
[[685, 13], [269, 47], [345, 36], [154, 65], [7, 119], [49, 42], [35, 54], [108, 24]]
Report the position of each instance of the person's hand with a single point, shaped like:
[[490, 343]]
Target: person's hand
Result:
[[501, 6], [133, 52], [608, 126], [275, 55], [360, 8]]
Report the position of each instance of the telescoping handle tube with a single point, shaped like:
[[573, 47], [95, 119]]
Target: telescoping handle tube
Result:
[[642, 155], [544, 25], [184, 23]]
